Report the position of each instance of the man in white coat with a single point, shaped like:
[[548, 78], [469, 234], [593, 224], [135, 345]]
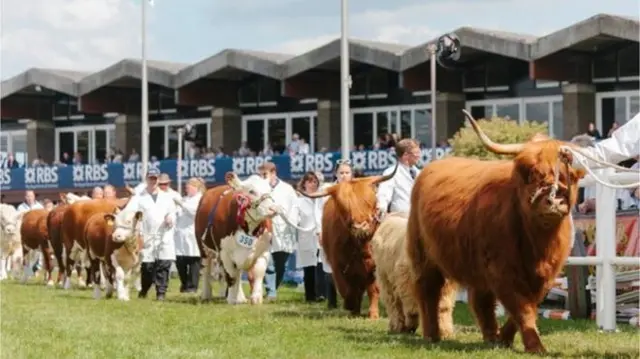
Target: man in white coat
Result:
[[187, 251], [394, 195], [283, 242], [158, 222]]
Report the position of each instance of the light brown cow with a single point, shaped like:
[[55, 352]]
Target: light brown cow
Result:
[[113, 255], [35, 237], [349, 220], [74, 220]]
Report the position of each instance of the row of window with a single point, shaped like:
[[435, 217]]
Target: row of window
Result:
[[95, 143]]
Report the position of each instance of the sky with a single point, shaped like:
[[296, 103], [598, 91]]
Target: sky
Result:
[[89, 35]]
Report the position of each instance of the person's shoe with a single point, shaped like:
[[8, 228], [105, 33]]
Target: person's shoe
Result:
[[142, 295], [160, 297]]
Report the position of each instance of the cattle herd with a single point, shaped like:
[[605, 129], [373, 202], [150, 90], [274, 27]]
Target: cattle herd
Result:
[[499, 228]]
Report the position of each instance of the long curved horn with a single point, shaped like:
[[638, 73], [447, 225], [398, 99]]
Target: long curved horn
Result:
[[317, 194], [510, 149], [382, 178]]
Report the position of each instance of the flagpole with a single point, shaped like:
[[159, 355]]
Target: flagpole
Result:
[[345, 80], [145, 93]]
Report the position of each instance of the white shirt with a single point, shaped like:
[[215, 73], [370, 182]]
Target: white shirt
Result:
[[284, 236], [623, 144], [158, 238], [24, 207], [394, 195], [307, 213], [185, 236]]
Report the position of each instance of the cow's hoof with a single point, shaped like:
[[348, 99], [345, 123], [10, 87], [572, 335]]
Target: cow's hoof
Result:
[[256, 299], [50, 283], [82, 283]]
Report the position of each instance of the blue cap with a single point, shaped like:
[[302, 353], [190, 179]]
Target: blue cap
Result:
[[153, 172]]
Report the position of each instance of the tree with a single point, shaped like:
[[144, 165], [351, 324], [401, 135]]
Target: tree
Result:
[[465, 143]]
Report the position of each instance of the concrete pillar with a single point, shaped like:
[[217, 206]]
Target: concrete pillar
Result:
[[41, 140], [329, 132], [226, 128], [449, 116], [128, 133], [578, 108]]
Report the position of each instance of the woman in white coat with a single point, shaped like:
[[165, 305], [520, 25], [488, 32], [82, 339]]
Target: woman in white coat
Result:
[[307, 213], [158, 221], [187, 251]]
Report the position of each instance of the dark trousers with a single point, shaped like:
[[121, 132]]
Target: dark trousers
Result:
[[155, 273], [275, 272], [332, 296], [321, 282], [310, 283], [189, 273]]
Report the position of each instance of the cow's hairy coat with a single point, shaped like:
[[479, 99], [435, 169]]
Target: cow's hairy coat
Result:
[[393, 273], [479, 223]]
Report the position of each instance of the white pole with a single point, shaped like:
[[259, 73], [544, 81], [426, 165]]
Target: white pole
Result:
[[345, 80], [179, 163], [606, 249], [145, 94], [432, 53]]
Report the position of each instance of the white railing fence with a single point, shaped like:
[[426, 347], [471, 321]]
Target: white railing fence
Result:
[[606, 259]]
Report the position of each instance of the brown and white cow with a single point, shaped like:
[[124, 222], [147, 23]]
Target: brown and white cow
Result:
[[74, 220], [35, 237], [233, 225], [10, 243], [114, 243]]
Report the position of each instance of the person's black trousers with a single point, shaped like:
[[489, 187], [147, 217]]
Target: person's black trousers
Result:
[[189, 273], [309, 283], [156, 273], [321, 283], [332, 296]]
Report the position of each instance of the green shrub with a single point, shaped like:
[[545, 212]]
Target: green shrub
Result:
[[465, 143]]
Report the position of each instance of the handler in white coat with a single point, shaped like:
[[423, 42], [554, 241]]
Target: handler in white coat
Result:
[[307, 213], [187, 251], [158, 221]]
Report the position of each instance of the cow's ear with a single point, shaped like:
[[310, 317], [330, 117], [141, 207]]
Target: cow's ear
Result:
[[138, 216], [232, 180], [526, 171], [110, 219]]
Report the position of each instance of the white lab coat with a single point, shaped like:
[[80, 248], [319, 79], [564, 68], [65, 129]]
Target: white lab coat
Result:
[[307, 213], [623, 144], [284, 236], [185, 236], [23, 207], [394, 195], [158, 239]]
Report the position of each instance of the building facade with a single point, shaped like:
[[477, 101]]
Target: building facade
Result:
[[585, 73]]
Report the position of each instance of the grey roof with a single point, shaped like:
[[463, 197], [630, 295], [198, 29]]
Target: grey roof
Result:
[[63, 81], [384, 55], [502, 43], [255, 62], [394, 57], [158, 72], [614, 26]]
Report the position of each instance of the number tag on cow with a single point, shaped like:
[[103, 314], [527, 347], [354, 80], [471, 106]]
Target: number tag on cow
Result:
[[245, 240]]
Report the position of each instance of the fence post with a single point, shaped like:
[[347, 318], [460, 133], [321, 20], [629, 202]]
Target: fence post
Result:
[[606, 249]]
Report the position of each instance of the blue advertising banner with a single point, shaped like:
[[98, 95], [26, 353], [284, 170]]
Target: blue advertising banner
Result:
[[211, 170]]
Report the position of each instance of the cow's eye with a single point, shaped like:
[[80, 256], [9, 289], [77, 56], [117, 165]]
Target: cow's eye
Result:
[[252, 192]]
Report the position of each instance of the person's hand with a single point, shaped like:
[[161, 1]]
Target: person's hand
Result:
[[178, 202], [168, 220], [636, 193]]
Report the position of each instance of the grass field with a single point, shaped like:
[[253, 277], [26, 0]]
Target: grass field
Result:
[[40, 322]]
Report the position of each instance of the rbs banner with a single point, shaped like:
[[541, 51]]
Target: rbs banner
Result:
[[212, 170]]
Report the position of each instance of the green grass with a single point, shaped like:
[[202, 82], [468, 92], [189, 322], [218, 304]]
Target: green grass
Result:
[[40, 322]]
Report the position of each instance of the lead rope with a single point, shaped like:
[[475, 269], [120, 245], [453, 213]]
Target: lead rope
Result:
[[584, 164]]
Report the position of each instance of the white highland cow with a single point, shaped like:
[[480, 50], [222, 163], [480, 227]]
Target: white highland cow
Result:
[[393, 274]]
